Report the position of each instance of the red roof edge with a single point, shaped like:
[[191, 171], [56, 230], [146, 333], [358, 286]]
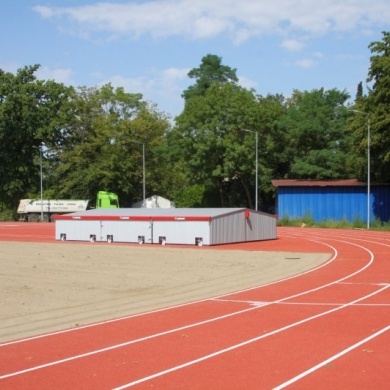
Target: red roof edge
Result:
[[318, 183], [130, 218]]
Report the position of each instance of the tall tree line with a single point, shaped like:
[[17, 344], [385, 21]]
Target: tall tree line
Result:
[[90, 139]]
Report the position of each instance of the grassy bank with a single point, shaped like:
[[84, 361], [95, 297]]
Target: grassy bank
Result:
[[308, 221]]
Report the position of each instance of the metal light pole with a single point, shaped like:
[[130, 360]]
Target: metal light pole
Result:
[[257, 165], [368, 165], [40, 156], [368, 172], [143, 174]]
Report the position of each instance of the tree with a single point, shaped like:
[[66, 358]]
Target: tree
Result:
[[359, 92], [315, 138], [32, 112], [377, 106], [102, 146], [210, 71], [271, 109], [216, 151]]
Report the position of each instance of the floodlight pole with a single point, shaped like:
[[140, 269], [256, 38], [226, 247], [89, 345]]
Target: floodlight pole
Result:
[[143, 175], [41, 176]]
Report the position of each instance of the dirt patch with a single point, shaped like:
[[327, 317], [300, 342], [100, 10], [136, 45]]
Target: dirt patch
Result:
[[51, 286]]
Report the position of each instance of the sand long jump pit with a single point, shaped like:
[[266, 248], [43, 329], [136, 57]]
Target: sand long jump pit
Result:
[[47, 287]]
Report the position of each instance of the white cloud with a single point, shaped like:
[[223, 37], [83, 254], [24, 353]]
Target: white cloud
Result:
[[318, 54], [206, 26], [247, 82], [168, 79], [59, 75], [9, 66], [203, 19], [305, 63], [164, 86], [171, 79], [293, 44], [45, 12]]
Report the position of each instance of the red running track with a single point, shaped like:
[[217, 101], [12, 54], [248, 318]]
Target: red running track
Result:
[[324, 329]]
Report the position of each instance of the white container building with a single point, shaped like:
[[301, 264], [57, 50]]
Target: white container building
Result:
[[198, 226]]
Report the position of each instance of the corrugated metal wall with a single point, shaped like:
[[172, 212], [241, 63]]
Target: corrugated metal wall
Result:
[[381, 202], [228, 228], [241, 228], [334, 203], [265, 227], [240, 225]]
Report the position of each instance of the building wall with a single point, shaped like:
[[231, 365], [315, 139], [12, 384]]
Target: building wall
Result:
[[240, 225], [181, 232], [174, 232], [228, 228], [381, 202], [78, 230], [125, 231], [261, 226], [334, 203]]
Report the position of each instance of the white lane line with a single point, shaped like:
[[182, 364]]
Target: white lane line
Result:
[[125, 344], [332, 358], [75, 357], [262, 303], [256, 303], [333, 304], [236, 346], [334, 256], [200, 323]]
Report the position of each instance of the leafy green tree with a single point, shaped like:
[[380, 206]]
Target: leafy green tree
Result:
[[359, 92], [377, 106], [210, 71], [32, 112], [103, 145], [212, 141], [315, 135], [152, 126], [273, 147]]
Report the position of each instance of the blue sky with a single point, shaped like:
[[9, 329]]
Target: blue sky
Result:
[[148, 46]]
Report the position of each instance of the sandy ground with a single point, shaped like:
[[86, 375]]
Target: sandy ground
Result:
[[46, 287]]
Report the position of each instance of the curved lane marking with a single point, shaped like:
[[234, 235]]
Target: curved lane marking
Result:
[[334, 256], [250, 341], [332, 358], [116, 346]]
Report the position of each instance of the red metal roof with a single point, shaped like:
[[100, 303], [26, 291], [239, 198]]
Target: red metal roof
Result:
[[317, 183], [86, 217], [155, 214]]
